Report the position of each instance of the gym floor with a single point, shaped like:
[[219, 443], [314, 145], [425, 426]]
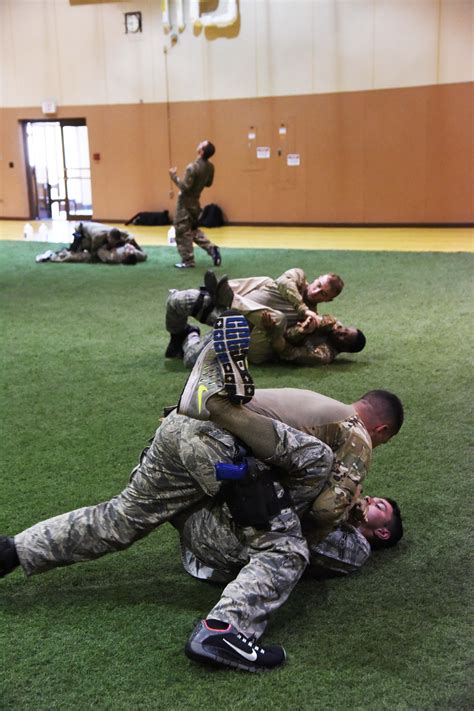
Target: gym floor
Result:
[[398, 239]]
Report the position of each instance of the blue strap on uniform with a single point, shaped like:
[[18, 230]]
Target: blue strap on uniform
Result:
[[232, 472]]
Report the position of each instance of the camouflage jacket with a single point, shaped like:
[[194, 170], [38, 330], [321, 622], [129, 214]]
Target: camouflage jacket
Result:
[[305, 349], [338, 426], [198, 175], [213, 547]]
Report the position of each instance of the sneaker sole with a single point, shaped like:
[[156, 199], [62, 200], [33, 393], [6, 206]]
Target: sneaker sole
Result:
[[215, 660], [231, 343]]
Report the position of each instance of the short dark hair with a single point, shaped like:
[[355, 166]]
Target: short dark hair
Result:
[[390, 405], [208, 150], [115, 233], [395, 526], [337, 284], [357, 344]]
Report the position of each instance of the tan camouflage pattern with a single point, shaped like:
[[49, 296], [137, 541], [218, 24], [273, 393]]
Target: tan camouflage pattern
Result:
[[95, 236], [305, 349], [198, 175], [338, 426], [282, 297]]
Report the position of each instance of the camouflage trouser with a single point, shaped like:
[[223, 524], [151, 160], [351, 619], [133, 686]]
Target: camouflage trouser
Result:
[[265, 565], [180, 305], [65, 255], [119, 254], [176, 471], [188, 232]]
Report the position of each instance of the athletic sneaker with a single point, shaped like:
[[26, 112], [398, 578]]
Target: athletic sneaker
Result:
[[205, 380], [216, 256], [45, 256], [182, 265], [231, 338], [229, 648]]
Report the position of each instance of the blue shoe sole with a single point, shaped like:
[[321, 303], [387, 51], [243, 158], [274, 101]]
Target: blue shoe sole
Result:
[[231, 343]]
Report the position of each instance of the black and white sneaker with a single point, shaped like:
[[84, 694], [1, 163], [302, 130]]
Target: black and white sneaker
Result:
[[231, 338], [229, 648]]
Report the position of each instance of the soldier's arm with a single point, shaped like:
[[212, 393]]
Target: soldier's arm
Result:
[[333, 504], [291, 285], [188, 180], [322, 354]]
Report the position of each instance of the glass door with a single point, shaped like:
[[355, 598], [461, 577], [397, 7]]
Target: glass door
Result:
[[58, 169]]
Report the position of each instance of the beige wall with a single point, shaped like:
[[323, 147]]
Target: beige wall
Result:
[[375, 94], [398, 155]]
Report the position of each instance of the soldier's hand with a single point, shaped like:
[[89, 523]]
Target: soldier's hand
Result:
[[310, 323], [267, 320], [173, 171]]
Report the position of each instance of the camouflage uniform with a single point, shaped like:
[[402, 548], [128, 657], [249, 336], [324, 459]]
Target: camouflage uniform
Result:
[[305, 349], [176, 471], [260, 565], [338, 426], [94, 246], [198, 175], [283, 297]]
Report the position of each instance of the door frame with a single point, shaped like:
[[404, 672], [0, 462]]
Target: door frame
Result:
[[30, 171]]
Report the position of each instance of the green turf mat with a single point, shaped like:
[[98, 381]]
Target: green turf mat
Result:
[[84, 382]]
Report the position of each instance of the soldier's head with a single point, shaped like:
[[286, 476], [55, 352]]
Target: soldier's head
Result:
[[384, 527], [206, 149], [323, 289], [382, 413], [347, 339]]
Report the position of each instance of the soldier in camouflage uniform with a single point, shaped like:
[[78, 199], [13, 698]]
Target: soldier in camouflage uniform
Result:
[[198, 175], [215, 548], [177, 470], [95, 242], [288, 300]]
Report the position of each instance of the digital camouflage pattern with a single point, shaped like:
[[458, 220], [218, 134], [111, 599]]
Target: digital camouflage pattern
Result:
[[263, 566], [176, 471], [214, 547]]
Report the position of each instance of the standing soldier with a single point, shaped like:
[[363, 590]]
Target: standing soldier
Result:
[[198, 175]]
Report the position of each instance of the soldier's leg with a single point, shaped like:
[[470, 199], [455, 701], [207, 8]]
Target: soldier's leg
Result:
[[176, 471], [277, 559], [65, 255], [181, 304], [202, 241], [184, 239], [212, 249]]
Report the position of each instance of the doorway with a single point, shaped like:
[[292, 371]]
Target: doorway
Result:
[[58, 169]]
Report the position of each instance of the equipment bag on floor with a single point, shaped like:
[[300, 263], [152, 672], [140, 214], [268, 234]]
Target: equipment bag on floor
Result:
[[150, 218], [211, 216]]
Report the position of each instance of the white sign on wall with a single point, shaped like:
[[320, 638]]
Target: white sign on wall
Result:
[[48, 106], [293, 159], [263, 152]]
